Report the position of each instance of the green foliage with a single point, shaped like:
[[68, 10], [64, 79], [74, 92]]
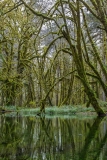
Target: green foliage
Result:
[[46, 62]]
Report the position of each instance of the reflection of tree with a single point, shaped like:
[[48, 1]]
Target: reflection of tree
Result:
[[91, 136], [25, 149], [71, 136], [55, 139], [42, 138], [9, 137], [100, 146], [45, 142], [16, 138]]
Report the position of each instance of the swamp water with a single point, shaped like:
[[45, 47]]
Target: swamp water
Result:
[[53, 138]]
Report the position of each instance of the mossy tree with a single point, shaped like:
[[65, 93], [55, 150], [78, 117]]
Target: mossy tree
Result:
[[76, 49], [42, 61], [16, 53]]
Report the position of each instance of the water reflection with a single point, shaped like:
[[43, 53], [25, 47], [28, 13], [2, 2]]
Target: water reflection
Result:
[[31, 138]]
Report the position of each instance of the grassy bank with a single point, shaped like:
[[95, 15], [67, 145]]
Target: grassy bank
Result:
[[63, 110]]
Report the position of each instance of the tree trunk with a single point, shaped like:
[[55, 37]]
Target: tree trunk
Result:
[[93, 100]]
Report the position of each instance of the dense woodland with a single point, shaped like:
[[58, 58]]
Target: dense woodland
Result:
[[53, 53]]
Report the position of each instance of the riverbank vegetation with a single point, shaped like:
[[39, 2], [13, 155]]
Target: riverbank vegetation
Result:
[[53, 54]]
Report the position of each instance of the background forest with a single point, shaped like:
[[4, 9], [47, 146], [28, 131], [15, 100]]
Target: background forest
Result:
[[53, 53]]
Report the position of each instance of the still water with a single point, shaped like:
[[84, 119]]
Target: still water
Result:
[[55, 138]]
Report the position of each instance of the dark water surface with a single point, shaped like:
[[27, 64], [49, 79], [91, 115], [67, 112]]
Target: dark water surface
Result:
[[34, 138]]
